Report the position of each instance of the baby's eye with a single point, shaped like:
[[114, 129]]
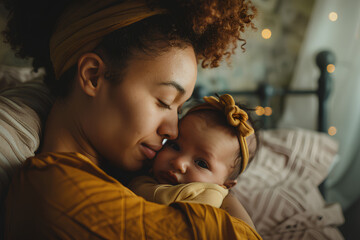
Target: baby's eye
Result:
[[173, 145], [201, 163]]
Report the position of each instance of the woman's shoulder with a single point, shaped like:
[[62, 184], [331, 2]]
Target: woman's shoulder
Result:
[[46, 159], [59, 188], [65, 165]]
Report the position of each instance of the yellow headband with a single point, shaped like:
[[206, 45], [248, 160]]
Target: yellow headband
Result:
[[82, 26], [235, 116]]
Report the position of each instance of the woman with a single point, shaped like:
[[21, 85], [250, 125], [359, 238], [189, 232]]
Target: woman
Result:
[[121, 70]]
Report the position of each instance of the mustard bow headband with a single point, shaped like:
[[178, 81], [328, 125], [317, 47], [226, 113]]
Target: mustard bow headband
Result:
[[235, 116]]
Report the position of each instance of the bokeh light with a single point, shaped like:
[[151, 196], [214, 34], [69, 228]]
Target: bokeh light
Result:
[[333, 16], [259, 111], [332, 131], [266, 33], [267, 111], [330, 68]]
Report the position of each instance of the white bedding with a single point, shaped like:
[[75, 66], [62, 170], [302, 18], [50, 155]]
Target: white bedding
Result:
[[280, 187]]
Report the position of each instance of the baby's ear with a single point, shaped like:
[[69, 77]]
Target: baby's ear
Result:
[[230, 183]]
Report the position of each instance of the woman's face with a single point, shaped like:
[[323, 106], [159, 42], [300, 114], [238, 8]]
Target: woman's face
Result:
[[129, 120]]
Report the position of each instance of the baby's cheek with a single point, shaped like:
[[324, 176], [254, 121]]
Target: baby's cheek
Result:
[[201, 177], [161, 160]]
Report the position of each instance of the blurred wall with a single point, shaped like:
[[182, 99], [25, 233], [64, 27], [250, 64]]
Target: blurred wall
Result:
[[268, 58], [271, 59]]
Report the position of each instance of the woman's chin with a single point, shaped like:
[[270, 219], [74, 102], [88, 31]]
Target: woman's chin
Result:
[[133, 168], [136, 165]]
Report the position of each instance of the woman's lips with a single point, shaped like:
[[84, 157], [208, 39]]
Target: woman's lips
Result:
[[147, 151]]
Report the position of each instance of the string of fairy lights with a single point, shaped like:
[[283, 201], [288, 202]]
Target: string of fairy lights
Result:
[[267, 111]]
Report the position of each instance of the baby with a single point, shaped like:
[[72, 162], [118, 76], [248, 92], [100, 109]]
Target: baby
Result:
[[214, 146]]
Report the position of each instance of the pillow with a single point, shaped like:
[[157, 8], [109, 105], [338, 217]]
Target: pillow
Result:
[[22, 110], [280, 187]]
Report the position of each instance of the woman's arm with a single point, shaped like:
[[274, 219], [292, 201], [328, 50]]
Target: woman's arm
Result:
[[233, 206], [73, 198]]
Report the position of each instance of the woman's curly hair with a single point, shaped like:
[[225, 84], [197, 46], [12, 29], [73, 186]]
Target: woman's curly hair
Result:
[[216, 24], [212, 27]]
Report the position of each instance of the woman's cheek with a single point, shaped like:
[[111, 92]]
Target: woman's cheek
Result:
[[167, 155]]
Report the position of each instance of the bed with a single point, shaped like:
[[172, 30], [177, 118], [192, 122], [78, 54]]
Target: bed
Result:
[[279, 189]]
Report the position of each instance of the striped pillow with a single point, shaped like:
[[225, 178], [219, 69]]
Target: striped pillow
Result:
[[22, 110], [280, 187]]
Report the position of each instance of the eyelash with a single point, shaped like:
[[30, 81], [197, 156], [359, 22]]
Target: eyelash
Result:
[[164, 105], [197, 161]]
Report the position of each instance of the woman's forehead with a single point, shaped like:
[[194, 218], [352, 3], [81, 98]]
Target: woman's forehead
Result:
[[175, 68]]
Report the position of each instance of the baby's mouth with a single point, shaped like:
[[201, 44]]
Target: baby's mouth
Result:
[[169, 177]]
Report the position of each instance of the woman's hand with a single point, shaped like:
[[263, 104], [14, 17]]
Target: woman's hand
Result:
[[232, 205]]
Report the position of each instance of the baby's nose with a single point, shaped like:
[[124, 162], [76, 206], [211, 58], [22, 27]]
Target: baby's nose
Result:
[[180, 164]]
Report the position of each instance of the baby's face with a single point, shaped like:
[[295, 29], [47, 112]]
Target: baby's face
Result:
[[200, 154]]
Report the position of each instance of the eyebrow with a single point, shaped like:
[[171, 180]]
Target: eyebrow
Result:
[[207, 155], [174, 84]]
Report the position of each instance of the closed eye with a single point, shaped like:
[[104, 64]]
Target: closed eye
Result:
[[164, 105], [202, 163]]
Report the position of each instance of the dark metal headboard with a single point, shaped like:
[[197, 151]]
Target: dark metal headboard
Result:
[[265, 91]]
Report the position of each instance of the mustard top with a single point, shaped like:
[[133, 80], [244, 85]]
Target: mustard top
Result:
[[65, 195]]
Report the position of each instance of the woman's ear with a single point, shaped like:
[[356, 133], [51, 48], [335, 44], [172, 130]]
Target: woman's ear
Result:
[[230, 183], [91, 70]]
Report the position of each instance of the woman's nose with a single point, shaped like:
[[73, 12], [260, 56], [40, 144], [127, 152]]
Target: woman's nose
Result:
[[169, 127]]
